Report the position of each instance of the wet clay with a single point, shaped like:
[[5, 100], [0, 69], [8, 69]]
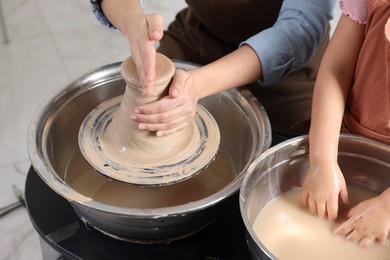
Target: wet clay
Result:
[[83, 178], [113, 144], [123, 139], [290, 231]]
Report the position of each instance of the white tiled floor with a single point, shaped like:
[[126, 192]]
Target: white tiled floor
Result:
[[51, 42]]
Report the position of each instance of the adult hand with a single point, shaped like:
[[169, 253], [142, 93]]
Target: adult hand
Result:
[[173, 112], [145, 31], [368, 221], [323, 186]]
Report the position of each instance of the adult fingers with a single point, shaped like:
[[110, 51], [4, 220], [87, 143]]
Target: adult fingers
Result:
[[144, 57], [178, 113], [165, 129], [162, 107], [172, 130]]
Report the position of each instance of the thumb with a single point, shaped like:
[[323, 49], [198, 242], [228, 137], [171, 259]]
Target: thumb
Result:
[[180, 79], [344, 195], [156, 26]]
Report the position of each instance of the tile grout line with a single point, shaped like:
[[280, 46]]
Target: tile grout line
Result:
[[53, 41]]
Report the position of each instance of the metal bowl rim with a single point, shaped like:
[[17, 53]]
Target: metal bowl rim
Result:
[[292, 141], [47, 172]]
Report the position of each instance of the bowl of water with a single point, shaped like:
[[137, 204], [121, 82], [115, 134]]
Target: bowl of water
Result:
[[280, 171]]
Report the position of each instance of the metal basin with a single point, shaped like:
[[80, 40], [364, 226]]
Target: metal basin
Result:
[[52, 143], [365, 164]]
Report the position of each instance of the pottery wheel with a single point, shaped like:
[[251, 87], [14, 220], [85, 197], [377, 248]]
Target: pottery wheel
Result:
[[140, 157]]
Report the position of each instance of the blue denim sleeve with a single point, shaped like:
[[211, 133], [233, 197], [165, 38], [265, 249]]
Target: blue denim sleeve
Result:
[[293, 39], [98, 12]]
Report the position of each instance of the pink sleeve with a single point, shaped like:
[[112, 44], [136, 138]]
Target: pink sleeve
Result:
[[357, 10]]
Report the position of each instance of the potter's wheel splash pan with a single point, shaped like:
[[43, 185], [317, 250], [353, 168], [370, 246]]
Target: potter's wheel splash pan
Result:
[[53, 142], [153, 173], [113, 144]]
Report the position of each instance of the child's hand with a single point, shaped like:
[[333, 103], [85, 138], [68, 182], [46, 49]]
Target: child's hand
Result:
[[369, 221], [323, 185]]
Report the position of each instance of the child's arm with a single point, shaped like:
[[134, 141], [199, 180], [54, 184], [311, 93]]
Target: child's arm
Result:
[[324, 182]]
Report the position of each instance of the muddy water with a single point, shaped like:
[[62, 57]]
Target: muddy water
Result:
[[87, 181], [293, 232]]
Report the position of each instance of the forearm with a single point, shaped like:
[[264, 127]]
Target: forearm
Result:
[[333, 82], [293, 39], [236, 69], [327, 112], [122, 13]]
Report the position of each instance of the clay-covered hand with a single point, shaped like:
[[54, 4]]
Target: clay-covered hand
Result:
[[369, 221], [142, 38], [173, 112], [322, 188]]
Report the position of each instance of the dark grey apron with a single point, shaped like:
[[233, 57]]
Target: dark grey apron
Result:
[[207, 30]]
